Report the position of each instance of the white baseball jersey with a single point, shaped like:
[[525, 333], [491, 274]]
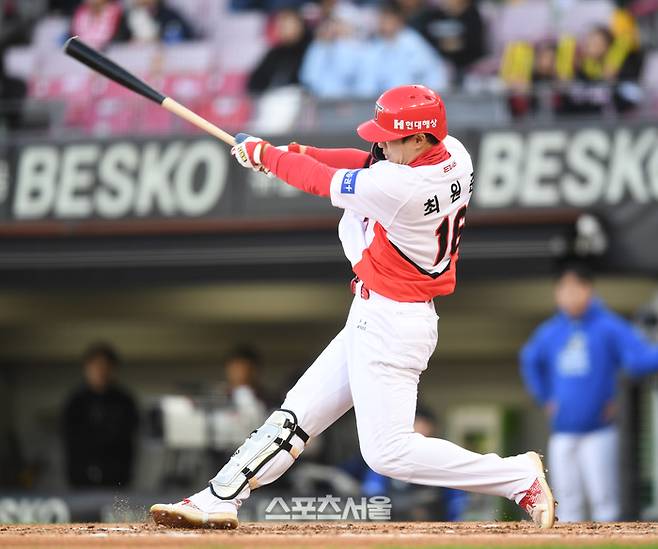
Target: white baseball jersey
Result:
[[401, 232], [402, 224]]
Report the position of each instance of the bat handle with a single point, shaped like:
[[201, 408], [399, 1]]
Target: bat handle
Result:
[[193, 118]]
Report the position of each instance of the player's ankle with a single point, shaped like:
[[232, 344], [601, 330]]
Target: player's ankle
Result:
[[209, 503]]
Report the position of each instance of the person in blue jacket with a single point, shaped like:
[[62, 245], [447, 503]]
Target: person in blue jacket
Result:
[[570, 366]]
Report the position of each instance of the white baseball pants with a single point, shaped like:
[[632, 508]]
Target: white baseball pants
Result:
[[374, 365], [585, 471]]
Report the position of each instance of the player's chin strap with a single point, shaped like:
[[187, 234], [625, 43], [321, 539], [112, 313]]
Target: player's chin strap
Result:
[[278, 443]]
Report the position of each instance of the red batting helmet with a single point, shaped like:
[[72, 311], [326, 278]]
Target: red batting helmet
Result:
[[404, 111]]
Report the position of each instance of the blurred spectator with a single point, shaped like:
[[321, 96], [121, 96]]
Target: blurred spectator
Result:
[[624, 26], [646, 14], [12, 465], [12, 93], [152, 21], [456, 30], [412, 501], [267, 6], [242, 369], [246, 402], [331, 67], [411, 9], [607, 72], [65, 7], [570, 366], [532, 77], [14, 29], [600, 75], [100, 422], [398, 55], [96, 22], [356, 17], [281, 64]]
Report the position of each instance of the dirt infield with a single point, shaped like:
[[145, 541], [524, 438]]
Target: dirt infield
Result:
[[326, 535]]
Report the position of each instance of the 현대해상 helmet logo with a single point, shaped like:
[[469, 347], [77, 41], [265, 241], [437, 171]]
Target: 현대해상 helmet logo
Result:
[[414, 124]]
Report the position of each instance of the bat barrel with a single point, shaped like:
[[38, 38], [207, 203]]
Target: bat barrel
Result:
[[101, 64]]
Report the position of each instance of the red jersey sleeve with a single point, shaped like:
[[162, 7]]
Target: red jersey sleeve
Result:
[[299, 170], [340, 158]]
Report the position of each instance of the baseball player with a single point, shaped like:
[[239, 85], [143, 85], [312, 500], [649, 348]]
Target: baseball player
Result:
[[570, 365], [404, 209]]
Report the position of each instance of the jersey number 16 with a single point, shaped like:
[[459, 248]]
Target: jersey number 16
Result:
[[452, 225]]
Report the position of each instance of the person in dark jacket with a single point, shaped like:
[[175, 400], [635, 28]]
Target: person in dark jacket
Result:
[[15, 30], [607, 72], [281, 64], [100, 422], [153, 21], [456, 30], [570, 367]]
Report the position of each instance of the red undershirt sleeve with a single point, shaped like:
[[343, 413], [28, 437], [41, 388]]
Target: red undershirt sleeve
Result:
[[339, 158], [299, 170]]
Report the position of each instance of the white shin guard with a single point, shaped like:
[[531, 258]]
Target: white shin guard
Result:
[[266, 454]]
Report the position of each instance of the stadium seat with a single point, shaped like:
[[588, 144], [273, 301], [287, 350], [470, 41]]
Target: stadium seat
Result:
[[21, 62], [54, 63], [229, 83], [650, 71], [580, 17], [528, 21], [137, 58], [229, 113], [109, 116], [240, 41], [490, 12], [203, 15], [50, 32], [187, 87], [75, 92], [156, 61], [190, 89], [649, 80], [190, 57], [117, 110], [286, 102]]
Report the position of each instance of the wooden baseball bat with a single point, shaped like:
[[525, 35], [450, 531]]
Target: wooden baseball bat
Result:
[[101, 64]]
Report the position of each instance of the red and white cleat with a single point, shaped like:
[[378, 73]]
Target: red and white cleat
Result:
[[538, 501], [185, 514]]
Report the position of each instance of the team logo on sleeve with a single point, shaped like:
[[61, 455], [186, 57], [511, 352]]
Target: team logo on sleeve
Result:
[[349, 182]]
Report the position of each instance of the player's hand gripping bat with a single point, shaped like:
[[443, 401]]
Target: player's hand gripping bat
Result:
[[101, 64]]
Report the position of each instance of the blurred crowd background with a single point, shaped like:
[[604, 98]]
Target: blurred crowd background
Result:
[[235, 61], [157, 302]]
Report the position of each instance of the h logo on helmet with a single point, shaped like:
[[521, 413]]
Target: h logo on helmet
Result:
[[378, 109]]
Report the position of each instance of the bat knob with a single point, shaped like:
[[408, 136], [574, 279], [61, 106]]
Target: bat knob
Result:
[[240, 137]]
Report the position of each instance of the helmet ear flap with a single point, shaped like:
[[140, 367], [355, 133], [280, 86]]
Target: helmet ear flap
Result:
[[377, 153]]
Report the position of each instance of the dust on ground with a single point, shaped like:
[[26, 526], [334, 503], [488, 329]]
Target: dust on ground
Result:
[[333, 534]]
